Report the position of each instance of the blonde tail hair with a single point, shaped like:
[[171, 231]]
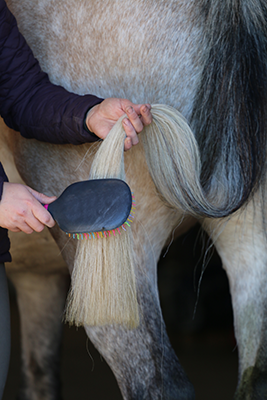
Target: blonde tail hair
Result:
[[103, 289]]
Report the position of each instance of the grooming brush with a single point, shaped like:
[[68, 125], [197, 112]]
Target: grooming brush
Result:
[[94, 209]]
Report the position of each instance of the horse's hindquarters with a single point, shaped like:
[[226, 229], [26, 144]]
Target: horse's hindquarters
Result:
[[115, 50]]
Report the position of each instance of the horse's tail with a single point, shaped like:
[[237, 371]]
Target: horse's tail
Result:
[[173, 159], [229, 115], [174, 163], [211, 174]]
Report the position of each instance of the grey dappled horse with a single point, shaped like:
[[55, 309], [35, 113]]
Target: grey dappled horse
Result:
[[207, 58]]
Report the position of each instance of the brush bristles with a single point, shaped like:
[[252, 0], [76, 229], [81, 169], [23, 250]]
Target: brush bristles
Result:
[[105, 234]]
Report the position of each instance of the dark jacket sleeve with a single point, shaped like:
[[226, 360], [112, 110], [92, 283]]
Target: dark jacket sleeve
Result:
[[3, 178], [29, 102], [4, 239]]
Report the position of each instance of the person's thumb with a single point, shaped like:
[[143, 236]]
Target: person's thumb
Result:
[[42, 198]]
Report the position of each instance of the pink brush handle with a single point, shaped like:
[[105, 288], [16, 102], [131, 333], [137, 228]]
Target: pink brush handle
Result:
[[46, 206]]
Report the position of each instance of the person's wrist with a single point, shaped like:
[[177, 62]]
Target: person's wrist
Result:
[[89, 116], [87, 124]]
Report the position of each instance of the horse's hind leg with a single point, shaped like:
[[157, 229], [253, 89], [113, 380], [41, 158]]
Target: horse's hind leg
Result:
[[242, 247], [41, 297], [142, 359]]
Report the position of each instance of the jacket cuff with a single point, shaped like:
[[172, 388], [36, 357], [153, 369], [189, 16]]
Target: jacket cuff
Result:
[[85, 127], [3, 178]]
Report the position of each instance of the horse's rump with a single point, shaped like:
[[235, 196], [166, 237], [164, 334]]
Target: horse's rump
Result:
[[205, 58]]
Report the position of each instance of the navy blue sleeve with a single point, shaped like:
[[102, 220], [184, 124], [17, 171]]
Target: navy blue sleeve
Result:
[[3, 178], [4, 239], [29, 102]]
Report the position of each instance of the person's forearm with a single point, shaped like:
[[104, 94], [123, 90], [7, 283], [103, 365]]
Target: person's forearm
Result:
[[58, 119]]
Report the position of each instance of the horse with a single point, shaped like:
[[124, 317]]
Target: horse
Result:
[[206, 59]]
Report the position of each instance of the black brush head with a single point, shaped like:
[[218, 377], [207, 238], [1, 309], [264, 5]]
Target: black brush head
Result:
[[92, 206]]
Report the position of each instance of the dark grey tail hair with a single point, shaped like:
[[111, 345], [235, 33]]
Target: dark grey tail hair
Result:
[[229, 115]]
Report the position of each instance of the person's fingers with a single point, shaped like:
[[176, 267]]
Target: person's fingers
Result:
[[41, 217], [13, 229], [24, 228], [42, 198], [21, 210], [26, 221], [19, 220], [127, 144], [130, 133], [33, 224], [134, 119], [146, 116]]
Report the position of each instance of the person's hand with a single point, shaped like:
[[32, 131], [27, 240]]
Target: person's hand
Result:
[[21, 209], [101, 118]]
